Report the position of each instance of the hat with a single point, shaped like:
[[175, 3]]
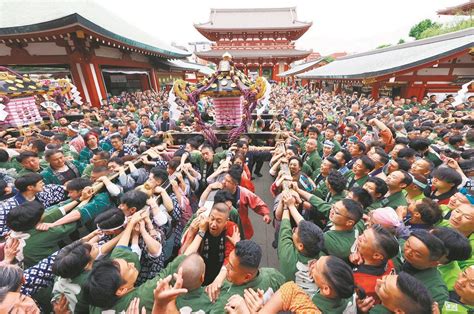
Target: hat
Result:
[[328, 143], [470, 197], [413, 130], [353, 139], [83, 131], [74, 126], [47, 133], [386, 216]]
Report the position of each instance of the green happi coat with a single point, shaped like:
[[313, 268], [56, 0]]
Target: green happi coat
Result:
[[358, 182], [432, 280], [312, 164], [339, 243], [450, 273], [197, 301], [72, 288], [333, 306], [394, 200], [144, 291], [42, 244], [267, 278], [451, 307], [470, 261], [294, 265]]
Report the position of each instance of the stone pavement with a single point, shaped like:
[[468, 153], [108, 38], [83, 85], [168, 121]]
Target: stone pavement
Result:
[[263, 233]]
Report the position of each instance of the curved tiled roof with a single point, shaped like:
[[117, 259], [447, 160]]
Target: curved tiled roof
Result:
[[258, 18], [37, 17], [301, 67], [394, 59]]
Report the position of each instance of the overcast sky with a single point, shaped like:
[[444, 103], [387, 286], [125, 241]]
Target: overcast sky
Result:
[[338, 25]]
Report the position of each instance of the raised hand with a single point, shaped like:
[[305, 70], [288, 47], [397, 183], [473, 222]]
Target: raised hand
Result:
[[236, 305], [213, 290], [11, 249], [134, 307], [61, 305], [44, 226], [165, 294], [87, 194], [253, 299], [235, 236]]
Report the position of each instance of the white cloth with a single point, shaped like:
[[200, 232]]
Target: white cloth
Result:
[[21, 237], [69, 289]]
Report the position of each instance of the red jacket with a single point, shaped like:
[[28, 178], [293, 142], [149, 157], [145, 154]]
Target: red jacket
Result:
[[246, 180], [229, 247], [367, 280], [250, 200]]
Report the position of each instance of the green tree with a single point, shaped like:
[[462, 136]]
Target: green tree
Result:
[[401, 41], [383, 46], [419, 28], [447, 28]]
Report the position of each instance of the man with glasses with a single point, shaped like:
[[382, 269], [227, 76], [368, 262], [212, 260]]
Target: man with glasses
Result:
[[341, 232], [99, 159], [422, 252]]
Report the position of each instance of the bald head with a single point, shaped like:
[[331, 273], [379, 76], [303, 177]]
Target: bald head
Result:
[[221, 208], [193, 271]]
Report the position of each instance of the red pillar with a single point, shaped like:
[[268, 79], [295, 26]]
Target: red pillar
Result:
[[375, 91], [144, 82], [275, 73], [77, 81], [154, 81], [259, 70], [92, 84], [100, 81]]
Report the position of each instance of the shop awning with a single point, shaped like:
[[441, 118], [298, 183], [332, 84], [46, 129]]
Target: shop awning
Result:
[[125, 71]]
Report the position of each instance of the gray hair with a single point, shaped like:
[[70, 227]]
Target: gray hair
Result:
[[11, 277]]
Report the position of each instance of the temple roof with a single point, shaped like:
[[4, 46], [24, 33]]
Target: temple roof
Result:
[[260, 53], [461, 9], [36, 17], [191, 66], [394, 59], [253, 19], [301, 67]]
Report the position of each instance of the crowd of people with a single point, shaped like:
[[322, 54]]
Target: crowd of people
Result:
[[372, 208]]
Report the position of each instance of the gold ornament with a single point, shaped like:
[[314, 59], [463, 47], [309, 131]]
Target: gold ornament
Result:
[[261, 87], [179, 89]]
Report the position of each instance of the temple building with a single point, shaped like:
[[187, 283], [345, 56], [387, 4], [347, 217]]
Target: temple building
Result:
[[466, 8], [440, 64], [261, 41], [101, 53]]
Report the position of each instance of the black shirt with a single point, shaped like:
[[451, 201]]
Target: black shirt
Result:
[[68, 175], [213, 253], [165, 125]]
